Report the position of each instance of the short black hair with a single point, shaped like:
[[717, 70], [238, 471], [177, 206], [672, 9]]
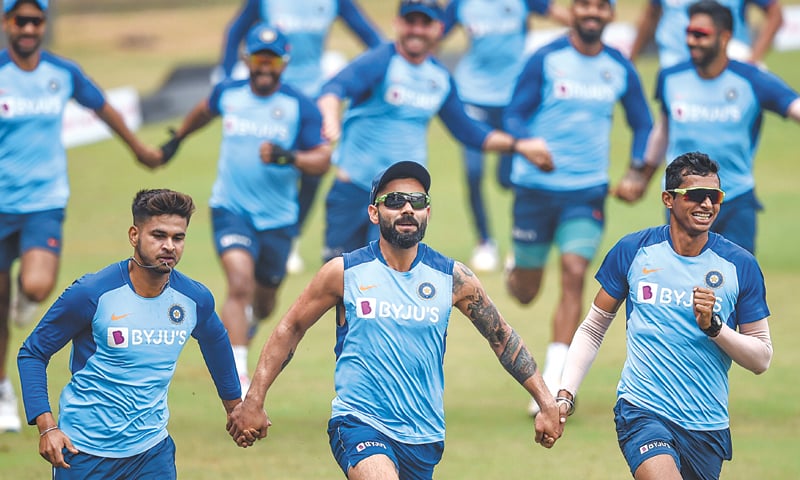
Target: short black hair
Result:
[[720, 15], [692, 163], [151, 203]]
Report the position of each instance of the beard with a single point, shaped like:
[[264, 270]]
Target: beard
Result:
[[398, 239], [151, 263], [708, 55], [589, 36], [25, 52]]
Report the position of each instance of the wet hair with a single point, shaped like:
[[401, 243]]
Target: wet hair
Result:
[[151, 203], [720, 14], [692, 163]]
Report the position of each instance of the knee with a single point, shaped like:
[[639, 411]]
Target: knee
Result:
[[524, 291]]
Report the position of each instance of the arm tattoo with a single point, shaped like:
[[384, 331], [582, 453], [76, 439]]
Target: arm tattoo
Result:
[[288, 359], [506, 343]]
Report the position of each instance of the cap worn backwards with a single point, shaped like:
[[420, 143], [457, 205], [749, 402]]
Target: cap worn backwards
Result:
[[263, 37], [404, 169], [430, 8], [9, 5]]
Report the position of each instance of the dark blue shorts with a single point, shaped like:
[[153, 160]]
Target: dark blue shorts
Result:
[[352, 441], [347, 225], [269, 248], [157, 463], [19, 232], [643, 435]]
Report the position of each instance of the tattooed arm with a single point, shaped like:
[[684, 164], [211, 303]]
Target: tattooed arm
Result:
[[470, 297], [249, 421]]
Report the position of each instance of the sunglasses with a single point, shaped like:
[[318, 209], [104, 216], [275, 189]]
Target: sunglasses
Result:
[[22, 20], [397, 200], [698, 32], [699, 194], [259, 60]]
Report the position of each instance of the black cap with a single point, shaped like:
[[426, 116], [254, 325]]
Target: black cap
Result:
[[405, 169]]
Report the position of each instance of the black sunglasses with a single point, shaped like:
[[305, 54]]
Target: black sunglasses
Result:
[[22, 20], [699, 194], [397, 200]]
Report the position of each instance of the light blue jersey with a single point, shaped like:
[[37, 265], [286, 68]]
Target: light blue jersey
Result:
[[670, 33], [727, 109], [672, 368], [124, 353], [245, 185], [568, 99], [306, 24], [390, 350], [392, 102], [496, 30], [33, 163]]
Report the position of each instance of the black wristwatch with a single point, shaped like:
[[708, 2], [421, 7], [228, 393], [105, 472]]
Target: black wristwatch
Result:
[[715, 327]]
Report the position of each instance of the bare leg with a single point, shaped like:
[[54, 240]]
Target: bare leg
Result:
[[374, 467]]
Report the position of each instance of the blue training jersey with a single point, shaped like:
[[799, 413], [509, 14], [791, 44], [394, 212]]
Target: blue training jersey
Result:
[[672, 368], [264, 192], [33, 162], [568, 99], [124, 352], [727, 109], [390, 350], [496, 30], [670, 33], [392, 102], [306, 24]]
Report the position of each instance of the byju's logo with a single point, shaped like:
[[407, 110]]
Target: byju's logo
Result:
[[118, 337], [365, 307], [646, 293]]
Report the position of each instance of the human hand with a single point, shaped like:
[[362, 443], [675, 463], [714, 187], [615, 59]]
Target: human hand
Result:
[[703, 301], [548, 424], [247, 423], [275, 154], [149, 157], [51, 445], [170, 147], [535, 150], [331, 128], [631, 187]]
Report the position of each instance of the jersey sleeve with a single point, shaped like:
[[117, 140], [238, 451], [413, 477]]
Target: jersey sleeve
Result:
[[310, 133], [751, 305], [526, 98], [357, 79], [450, 19], [772, 92], [235, 34], [467, 130], [84, 90], [359, 24], [613, 272], [637, 113], [542, 7], [214, 97], [215, 346], [69, 316]]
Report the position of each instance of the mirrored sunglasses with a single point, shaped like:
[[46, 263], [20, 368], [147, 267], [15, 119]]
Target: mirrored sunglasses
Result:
[[264, 59], [397, 200], [699, 194]]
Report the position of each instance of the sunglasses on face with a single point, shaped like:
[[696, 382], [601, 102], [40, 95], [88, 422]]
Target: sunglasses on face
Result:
[[22, 20], [699, 194], [698, 32], [259, 60], [397, 200]]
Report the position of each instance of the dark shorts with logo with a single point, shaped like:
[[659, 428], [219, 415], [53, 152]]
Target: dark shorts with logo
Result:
[[20, 232], [352, 441], [643, 435]]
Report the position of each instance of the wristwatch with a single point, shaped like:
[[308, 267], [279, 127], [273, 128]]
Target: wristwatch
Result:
[[715, 327]]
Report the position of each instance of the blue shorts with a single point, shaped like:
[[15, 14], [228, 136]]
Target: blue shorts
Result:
[[643, 434], [20, 232], [157, 463], [573, 219], [353, 441], [347, 225], [269, 248]]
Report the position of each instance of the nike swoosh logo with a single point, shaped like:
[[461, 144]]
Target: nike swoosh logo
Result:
[[364, 288], [647, 271], [114, 318]]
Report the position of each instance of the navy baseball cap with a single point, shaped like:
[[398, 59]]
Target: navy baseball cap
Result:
[[405, 169], [263, 37], [9, 5], [429, 8]]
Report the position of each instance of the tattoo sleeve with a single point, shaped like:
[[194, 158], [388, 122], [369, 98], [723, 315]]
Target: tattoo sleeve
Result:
[[506, 343]]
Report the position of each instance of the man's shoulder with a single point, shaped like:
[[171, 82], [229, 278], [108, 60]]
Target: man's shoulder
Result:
[[189, 286]]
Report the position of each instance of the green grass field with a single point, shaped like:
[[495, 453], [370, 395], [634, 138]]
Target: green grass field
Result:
[[489, 434]]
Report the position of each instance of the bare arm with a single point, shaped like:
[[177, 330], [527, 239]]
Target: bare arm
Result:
[[633, 185], [794, 110], [145, 154], [534, 149], [315, 161], [471, 299], [773, 19], [560, 14], [645, 29], [323, 292], [196, 119], [330, 106]]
